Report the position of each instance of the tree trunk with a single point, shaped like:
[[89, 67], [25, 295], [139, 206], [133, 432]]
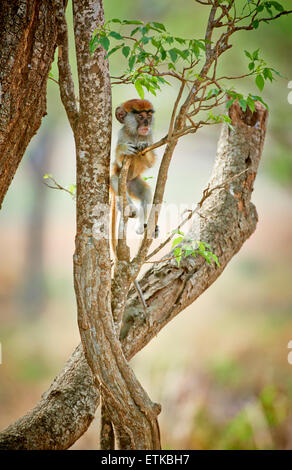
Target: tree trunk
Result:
[[229, 218], [28, 36], [131, 411]]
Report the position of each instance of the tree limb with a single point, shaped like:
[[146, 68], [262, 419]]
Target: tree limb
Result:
[[28, 38], [228, 219]]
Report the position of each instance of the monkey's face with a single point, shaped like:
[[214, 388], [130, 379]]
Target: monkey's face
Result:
[[144, 121], [136, 115]]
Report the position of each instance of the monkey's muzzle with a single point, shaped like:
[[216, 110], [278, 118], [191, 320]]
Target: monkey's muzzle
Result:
[[143, 130]]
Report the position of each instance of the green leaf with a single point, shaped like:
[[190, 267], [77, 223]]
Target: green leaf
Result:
[[205, 255], [139, 88], [72, 188], [115, 35], [104, 41], [178, 255], [248, 55], [173, 54], [169, 39], [132, 62], [134, 31], [152, 90], [180, 40], [259, 98], [255, 55], [195, 47], [162, 53], [47, 175], [177, 241], [144, 29], [251, 104], [189, 252], [277, 6], [132, 22], [159, 26], [114, 49], [213, 92], [243, 104], [260, 82], [145, 39], [116, 20], [184, 54], [93, 43], [229, 103], [215, 258], [268, 74], [177, 231], [126, 51]]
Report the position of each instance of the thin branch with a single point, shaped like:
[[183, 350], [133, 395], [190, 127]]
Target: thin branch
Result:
[[170, 131], [206, 193], [53, 79], [57, 185]]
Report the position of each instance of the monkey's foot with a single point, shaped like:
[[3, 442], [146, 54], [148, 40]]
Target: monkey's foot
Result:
[[131, 211], [140, 229], [156, 232]]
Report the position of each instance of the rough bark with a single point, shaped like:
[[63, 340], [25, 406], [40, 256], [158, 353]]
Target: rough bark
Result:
[[229, 218], [28, 35], [130, 409]]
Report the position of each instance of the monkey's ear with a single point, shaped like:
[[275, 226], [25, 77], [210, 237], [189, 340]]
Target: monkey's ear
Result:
[[121, 114]]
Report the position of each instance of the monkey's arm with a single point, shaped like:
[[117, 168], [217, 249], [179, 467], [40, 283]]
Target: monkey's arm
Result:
[[124, 148], [150, 159]]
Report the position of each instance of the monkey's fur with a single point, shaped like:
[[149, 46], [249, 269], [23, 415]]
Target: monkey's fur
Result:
[[134, 136]]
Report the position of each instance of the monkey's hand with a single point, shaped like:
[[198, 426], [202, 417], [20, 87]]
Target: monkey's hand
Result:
[[141, 146], [127, 148]]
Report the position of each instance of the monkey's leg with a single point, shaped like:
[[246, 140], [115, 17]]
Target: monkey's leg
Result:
[[131, 206], [140, 190]]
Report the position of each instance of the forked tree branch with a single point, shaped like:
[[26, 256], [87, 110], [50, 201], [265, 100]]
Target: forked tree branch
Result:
[[228, 219]]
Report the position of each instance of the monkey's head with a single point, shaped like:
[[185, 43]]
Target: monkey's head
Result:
[[136, 115]]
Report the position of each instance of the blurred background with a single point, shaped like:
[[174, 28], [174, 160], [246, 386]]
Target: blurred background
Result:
[[220, 369]]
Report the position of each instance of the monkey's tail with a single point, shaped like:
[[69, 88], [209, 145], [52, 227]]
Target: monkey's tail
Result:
[[114, 218]]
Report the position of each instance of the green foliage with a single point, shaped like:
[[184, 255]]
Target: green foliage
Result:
[[145, 47], [149, 49], [259, 68], [186, 247], [151, 53], [244, 101]]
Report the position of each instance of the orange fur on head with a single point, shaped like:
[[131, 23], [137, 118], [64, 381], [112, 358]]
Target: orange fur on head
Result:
[[137, 105]]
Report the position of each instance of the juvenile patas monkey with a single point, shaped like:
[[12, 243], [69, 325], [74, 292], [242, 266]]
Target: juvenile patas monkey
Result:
[[135, 136]]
